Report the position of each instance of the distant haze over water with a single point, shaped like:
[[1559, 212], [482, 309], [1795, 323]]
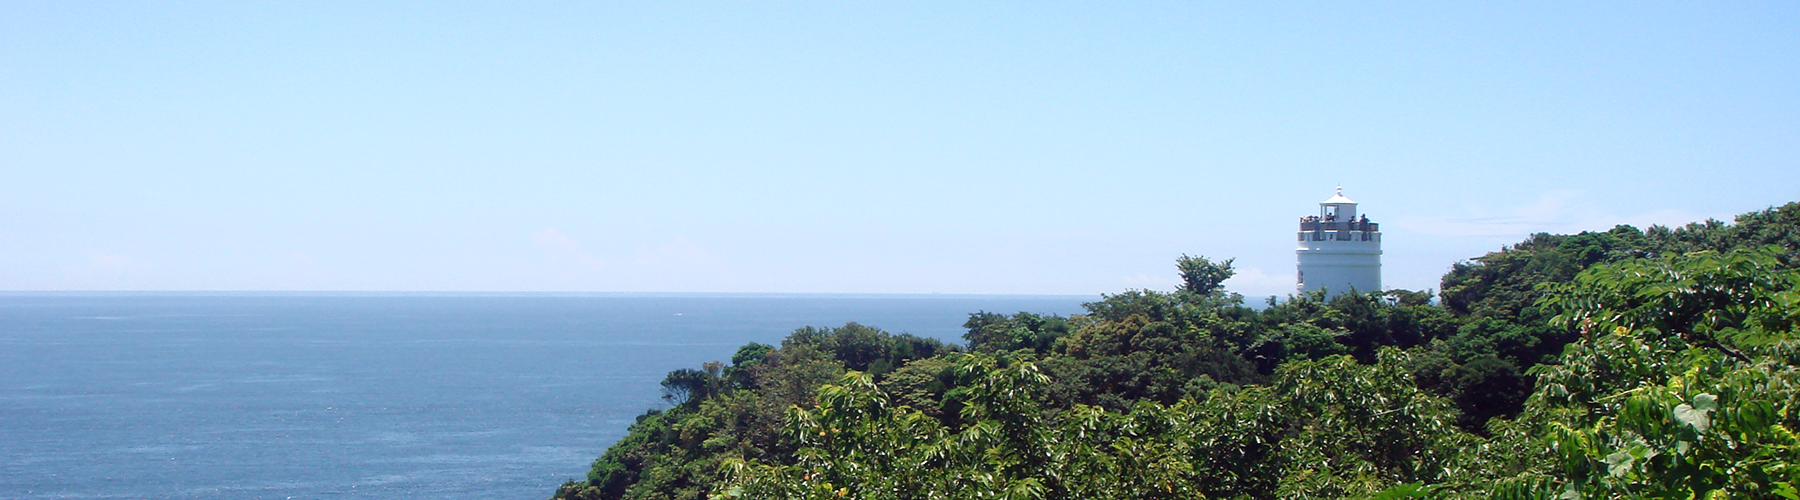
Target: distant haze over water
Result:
[[370, 395]]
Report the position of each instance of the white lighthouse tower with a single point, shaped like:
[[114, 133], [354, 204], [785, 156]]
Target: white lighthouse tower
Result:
[[1339, 252]]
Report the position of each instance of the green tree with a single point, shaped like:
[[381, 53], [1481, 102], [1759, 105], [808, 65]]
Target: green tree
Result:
[[1202, 276], [688, 385], [992, 332], [1684, 385]]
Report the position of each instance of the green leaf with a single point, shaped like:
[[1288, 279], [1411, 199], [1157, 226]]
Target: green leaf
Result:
[[1786, 490], [1408, 490], [1697, 418], [1706, 402], [1619, 463]]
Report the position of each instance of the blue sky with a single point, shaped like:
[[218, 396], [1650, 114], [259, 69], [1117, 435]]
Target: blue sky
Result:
[[857, 146]]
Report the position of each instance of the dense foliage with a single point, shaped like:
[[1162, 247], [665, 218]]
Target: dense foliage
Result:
[[1661, 363]]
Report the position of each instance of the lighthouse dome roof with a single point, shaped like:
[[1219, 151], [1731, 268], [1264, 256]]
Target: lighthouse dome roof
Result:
[[1338, 198]]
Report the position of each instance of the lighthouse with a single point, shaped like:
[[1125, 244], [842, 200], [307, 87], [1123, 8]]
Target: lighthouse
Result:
[[1338, 251]]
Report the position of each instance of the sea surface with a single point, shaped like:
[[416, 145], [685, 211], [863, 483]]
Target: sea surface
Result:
[[304, 396]]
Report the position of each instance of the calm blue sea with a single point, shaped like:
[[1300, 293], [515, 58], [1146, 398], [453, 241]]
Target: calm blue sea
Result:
[[247, 396]]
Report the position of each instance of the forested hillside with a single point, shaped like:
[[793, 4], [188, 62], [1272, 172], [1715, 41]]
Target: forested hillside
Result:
[[1626, 363]]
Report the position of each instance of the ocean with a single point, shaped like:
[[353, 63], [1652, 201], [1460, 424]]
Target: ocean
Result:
[[306, 396]]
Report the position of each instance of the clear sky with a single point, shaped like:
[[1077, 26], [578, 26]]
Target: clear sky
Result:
[[957, 147]]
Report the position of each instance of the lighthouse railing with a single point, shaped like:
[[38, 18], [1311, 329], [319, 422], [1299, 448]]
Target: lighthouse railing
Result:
[[1339, 226]]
